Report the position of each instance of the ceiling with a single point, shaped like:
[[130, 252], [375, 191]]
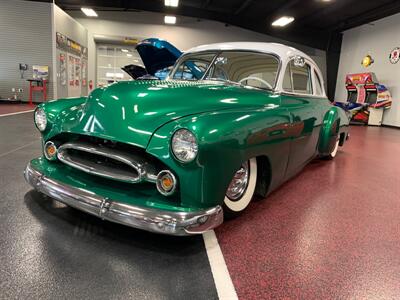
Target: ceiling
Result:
[[315, 20]]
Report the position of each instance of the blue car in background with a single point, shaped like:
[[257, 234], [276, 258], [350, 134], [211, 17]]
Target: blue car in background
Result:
[[158, 57]]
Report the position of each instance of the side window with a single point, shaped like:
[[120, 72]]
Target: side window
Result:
[[297, 78], [318, 85]]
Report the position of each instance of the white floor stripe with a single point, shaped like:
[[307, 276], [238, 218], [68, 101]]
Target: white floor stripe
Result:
[[17, 113], [222, 279], [16, 149]]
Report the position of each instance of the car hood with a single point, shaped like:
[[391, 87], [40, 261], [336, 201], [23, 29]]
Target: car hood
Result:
[[132, 111], [157, 54]]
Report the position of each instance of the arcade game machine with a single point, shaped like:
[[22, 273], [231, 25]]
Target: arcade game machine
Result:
[[366, 99]]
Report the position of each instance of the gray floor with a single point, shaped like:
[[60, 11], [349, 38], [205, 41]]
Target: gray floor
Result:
[[51, 251]]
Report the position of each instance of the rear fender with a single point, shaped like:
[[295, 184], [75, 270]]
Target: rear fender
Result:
[[329, 131]]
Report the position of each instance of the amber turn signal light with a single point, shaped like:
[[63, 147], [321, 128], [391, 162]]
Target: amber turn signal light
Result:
[[50, 151], [166, 183]]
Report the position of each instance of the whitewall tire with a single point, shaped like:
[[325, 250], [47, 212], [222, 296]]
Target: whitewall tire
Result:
[[241, 189], [333, 154]]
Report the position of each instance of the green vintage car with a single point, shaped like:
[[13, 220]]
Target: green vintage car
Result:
[[174, 156]]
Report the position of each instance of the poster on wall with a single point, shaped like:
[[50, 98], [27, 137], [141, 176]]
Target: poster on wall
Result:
[[71, 73], [84, 52], [84, 67], [61, 41], [77, 71], [40, 72], [74, 47], [63, 69]]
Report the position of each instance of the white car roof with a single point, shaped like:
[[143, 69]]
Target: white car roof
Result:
[[283, 51]]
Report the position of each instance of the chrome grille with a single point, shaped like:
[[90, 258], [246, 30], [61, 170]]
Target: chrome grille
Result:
[[107, 162]]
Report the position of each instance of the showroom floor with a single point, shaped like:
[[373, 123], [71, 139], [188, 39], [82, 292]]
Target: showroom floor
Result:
[[331, 232], [13, 108]]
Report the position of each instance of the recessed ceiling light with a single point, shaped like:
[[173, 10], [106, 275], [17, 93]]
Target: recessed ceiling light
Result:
[[170, 19], [173, 3], [89, 12], [125, 50], [283, 21], [129, 55]]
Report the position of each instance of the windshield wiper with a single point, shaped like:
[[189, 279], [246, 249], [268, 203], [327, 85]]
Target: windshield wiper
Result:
[[225, 80], [238, 84]]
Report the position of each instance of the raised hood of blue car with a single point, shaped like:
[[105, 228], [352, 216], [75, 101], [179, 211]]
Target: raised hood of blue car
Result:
[[132, 111], [157, 54]]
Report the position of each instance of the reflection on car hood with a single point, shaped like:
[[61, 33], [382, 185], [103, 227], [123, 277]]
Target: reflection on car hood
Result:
[[132, 111]]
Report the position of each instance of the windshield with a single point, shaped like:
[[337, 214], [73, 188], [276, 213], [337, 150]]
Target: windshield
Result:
[[248, 68]]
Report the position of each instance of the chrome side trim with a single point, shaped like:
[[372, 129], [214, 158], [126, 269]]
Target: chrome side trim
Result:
[[141, 169], [150, 219]]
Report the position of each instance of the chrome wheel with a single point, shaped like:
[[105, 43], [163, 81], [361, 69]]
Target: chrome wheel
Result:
[[241, 189], [239, 183]]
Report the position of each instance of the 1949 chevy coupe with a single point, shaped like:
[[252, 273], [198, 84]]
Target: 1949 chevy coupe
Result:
[[231, 121]]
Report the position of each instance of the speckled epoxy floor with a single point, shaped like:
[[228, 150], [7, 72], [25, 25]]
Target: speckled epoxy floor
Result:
[[49, 251], [333, 232]]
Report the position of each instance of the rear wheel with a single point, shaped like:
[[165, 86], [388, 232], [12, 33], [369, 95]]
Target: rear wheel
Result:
[[241, 189], [333, 154]]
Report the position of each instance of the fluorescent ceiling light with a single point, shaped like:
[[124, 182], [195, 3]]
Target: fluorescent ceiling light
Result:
[[170, 19], [129, 55], [283, 21], [89, 12], [125, 50], [173, 3]]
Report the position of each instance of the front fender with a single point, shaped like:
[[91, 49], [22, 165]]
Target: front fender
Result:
[[226, 139], [59, 110]]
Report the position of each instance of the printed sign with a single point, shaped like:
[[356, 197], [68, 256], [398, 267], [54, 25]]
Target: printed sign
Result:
[[394, 56], [40, 72]]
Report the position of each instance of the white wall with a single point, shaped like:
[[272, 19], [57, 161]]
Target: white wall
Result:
[[378, 40], [25, 37], [68, 26], [187, 33]]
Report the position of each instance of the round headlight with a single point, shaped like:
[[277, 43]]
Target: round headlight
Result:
[[184, 145], [40, 119]]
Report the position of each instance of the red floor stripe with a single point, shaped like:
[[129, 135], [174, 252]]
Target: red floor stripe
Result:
[[331, 232]]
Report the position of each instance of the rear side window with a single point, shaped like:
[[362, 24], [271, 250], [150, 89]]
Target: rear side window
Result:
[[297, 78], [318, 85]]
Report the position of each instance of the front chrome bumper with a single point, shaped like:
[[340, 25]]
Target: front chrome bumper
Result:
[[150, 219]]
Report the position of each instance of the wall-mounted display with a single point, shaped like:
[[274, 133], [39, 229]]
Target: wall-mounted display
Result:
[[71, 73], [84, 72], [61, 41], [63, 69], [40, 72], [77, 71], [394, 56], [367, 61]]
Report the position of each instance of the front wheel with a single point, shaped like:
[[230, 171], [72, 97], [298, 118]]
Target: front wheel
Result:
[[241, 189]]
